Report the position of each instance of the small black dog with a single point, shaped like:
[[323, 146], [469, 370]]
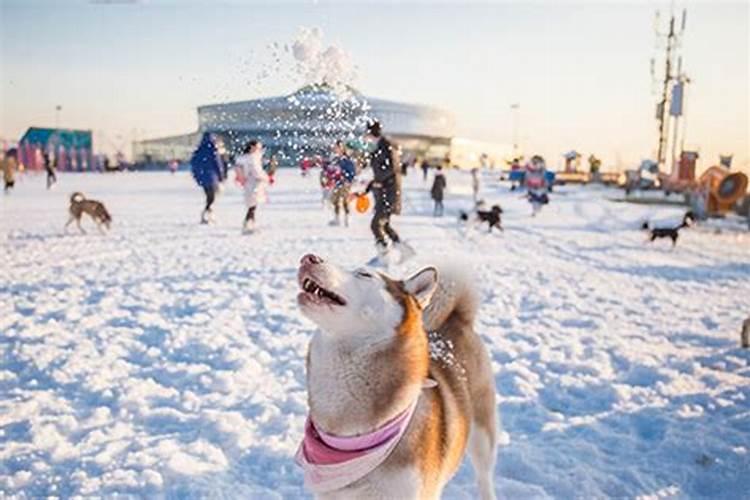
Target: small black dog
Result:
[[669, 232], [491, 217]]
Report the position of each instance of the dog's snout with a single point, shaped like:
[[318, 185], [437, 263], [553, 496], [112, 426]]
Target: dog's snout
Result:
[[311, 259]]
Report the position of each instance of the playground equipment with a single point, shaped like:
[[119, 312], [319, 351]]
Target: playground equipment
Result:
[[682, 178], [572, 177], [572, 174], [518, 176], [645, 177], [723, 189], [572, 161], [612, 178]]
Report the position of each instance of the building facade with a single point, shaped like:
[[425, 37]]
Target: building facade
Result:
[[306, 123]]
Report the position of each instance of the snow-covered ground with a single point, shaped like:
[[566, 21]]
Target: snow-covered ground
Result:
[[167, 357]]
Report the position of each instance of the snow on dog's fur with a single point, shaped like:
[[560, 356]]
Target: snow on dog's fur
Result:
[[372, 358]]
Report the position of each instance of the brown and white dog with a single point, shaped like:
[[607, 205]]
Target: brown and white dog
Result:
[[80, 205], [373, 358]]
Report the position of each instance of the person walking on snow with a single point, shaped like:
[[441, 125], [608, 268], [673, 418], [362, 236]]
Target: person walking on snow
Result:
[[384, 186], [250, 174], [273, 166], [437, 191], [535, 180], [425, 169], [476, 177], [49, 167], [345, 173], [475, 184], [328, 174], [208, 172], [10, 165]]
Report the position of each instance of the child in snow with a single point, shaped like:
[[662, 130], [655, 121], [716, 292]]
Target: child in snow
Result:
[[343, 177], [252, 177], [438, 190], [536, 184]]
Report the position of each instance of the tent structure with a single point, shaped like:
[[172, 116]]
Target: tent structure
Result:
[[51, 137], [71, 149]]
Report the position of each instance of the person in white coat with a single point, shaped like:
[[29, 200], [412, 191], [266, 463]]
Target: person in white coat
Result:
[[252, 177]]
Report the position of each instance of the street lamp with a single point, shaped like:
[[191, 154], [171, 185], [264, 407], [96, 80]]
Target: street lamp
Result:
[[516, 111]]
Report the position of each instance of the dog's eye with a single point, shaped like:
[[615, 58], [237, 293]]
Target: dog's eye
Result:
[[362, 274]]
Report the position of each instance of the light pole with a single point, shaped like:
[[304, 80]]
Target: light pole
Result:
[[58, 108], [516, 111]]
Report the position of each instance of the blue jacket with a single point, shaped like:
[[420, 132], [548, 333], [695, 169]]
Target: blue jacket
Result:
[[347, 168], [206, 164]]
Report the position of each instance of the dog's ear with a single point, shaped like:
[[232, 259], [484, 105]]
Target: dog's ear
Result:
[[422, 285]]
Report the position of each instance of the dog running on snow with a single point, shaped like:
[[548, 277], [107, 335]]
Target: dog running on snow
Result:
[[492, 216], [80, 205], [669, 232], [392, 408]]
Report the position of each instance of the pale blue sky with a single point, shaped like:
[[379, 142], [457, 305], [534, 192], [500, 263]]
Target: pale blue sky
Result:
[[580, 70]]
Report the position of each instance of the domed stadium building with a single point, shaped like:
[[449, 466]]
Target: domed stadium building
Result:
[[307, 123]]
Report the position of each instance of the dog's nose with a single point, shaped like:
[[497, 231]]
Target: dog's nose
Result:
[[311, 259]]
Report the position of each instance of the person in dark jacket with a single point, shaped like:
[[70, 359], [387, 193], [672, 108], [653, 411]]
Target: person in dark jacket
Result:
[[208, 171], [438, 190], [50, 164], [425, 169], [9, 166], [385, 187]]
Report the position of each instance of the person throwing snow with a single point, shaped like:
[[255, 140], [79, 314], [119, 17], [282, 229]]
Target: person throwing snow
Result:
[[384, 186]]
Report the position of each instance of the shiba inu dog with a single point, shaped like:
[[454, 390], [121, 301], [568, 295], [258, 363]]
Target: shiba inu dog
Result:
[[399, 384], [80, 205]]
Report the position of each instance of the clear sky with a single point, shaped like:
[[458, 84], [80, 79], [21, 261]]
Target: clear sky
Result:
[[579, 70]]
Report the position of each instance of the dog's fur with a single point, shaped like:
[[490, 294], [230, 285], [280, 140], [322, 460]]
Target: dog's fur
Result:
[[491, 217], [371, 358], [669, 232], [80, 205]]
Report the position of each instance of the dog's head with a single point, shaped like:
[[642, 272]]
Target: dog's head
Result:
[[361, 302], [496, 209], [689, 218], [76, 198]]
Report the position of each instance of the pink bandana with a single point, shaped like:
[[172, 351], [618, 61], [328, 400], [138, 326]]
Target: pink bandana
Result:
[[333, 462]]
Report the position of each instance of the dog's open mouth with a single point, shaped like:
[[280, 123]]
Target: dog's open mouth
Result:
[[319, 294]]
